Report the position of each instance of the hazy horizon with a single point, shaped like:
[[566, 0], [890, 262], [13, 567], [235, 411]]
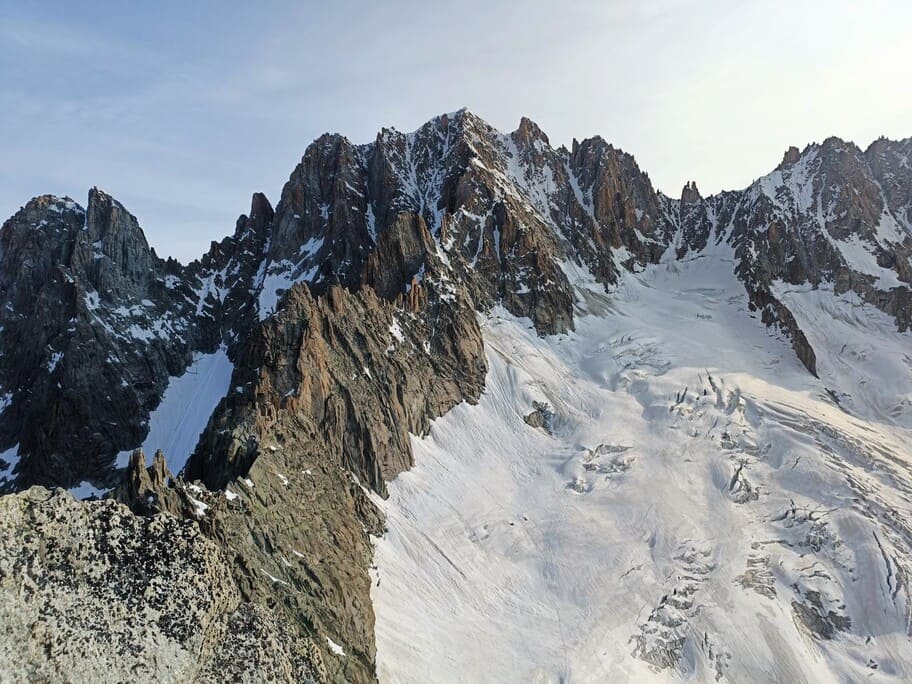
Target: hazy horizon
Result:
[[183, 112]]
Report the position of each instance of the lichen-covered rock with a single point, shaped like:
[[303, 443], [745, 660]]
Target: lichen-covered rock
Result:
[[90, 592], [258, 647]]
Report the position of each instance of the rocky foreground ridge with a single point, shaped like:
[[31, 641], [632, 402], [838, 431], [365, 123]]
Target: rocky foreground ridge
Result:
[[349, 313]]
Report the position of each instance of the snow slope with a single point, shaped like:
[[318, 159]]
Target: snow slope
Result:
[[9, 459], [702, 508], [185, 408]]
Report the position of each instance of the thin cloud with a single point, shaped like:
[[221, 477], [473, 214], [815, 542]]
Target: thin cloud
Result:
[[195, 106]]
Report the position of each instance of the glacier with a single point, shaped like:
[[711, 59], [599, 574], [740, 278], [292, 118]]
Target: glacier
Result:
[[699, 507]]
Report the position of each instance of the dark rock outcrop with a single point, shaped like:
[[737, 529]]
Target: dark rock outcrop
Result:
[[90, 332]]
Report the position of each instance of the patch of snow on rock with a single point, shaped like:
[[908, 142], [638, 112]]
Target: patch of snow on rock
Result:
[[185, 408]]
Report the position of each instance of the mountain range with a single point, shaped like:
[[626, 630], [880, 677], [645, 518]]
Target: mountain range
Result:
[[464, 406]]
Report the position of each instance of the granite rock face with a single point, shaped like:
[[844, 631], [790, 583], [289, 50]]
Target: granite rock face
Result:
[[349, 312], [332, 387]]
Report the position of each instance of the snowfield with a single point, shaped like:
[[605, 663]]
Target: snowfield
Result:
[[697, 506], [184, 411]]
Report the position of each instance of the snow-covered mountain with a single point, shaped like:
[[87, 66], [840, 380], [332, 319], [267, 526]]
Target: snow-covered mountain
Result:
[[618, 431]]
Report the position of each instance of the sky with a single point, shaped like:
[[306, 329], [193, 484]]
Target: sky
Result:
[[182, 110]]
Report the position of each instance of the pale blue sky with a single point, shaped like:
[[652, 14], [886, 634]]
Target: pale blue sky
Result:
[[183, 109]]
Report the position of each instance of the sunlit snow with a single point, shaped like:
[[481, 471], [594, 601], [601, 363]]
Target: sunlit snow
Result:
[[697, 485]]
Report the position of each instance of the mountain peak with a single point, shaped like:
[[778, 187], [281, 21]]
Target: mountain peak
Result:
[[260, 207], [690, 193], [529, 131], [836, 145], [790, 157], [53, 203]]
